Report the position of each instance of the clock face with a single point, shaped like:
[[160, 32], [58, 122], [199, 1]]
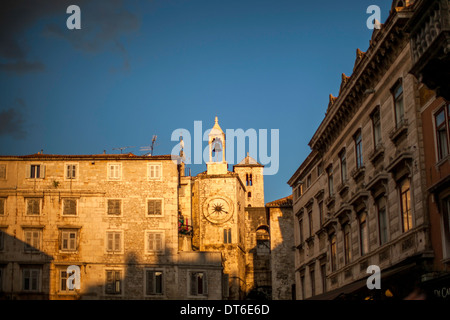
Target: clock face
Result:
[[217, 209]]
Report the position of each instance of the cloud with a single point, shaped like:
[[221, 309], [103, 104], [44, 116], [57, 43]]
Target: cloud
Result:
[[103, 23], [12, 121]]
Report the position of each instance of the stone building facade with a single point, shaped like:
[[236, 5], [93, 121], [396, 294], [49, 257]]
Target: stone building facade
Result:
[[360, 197], [132, 227]]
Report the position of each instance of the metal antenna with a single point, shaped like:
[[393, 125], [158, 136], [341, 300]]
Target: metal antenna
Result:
[[122, 148], [151, 147]]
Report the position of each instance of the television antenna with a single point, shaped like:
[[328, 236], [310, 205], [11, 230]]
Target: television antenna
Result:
[[150, 147], [122, 148]]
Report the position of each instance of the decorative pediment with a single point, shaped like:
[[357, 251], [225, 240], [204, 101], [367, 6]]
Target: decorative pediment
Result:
[[359, 55]]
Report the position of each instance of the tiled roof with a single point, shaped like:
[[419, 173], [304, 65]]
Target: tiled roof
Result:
[[283, 202], [125, 156]]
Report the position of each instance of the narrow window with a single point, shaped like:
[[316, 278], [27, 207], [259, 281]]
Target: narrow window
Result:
[[71, 171], [313, 282], [347, 243], [300, 230], [398, 104], [343, 159], [363, 233], [333, 250], [382, 220], [358, 149], [376, 127], [310, 222], [227, 235], [35, 171], [330, 181], [323, 274], [441, 134], [2, 206], [405, 204], [198, 283], [154, 282], [2, 171], [321, 212]]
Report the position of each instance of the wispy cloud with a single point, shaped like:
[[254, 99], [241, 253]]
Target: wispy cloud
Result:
[[12, 120]]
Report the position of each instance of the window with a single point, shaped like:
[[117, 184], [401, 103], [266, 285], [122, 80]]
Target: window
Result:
[[382, 220], [323, 274], [71, 171], [2, 171], [310, 222], [333, 249], [114, 207], [113, 241], [363, 233], [347, 243], [319, 169], [69, 240], [249, 194], [248, 179], [114, 171], [36, 171], [33, 206], [330, 181], [343, 159], [154, 207], [405, 204], [154, 171], [358, 149], [376, 127], [155, 242], [69, 207], [300, 230], [442, 119], [227, 235], [2, 206], [31, 279], [308, 181], [63, 276], [262, 241], [302, 284], [398, 104], [113, 282], [321, 212], [313, 281], [154, 282], [198, 283], [32, 240]]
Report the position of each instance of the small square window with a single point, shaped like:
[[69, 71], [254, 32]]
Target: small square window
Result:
[[114, 207], [32, 240], [31, 279], [154, 207], [155, 242], [69, 207], [37, 171], [33, 206], [113, 241], [154, 171]]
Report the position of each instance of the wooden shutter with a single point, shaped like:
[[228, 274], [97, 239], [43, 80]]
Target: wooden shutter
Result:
[[158, 205], [151, 207], [110, 241], [150, 282], [117, 241]]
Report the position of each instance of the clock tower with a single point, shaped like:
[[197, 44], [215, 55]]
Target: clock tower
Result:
[[219, 215]]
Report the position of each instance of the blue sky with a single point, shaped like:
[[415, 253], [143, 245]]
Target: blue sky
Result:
[[141, 68]]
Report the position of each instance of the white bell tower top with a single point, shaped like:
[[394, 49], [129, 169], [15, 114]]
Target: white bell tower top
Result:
[[216, 141]]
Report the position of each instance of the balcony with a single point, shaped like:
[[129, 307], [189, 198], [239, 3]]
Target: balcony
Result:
[[400, 130]]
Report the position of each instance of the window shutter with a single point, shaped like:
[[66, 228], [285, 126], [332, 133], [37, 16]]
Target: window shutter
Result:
[[42, 174], [110, 241], [193, 281], [158, 207], [117, 241], [29, 206], [151, 207], [150, 282], [205, 284]]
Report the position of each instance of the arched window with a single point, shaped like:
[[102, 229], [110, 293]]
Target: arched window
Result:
[[262, 240]]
